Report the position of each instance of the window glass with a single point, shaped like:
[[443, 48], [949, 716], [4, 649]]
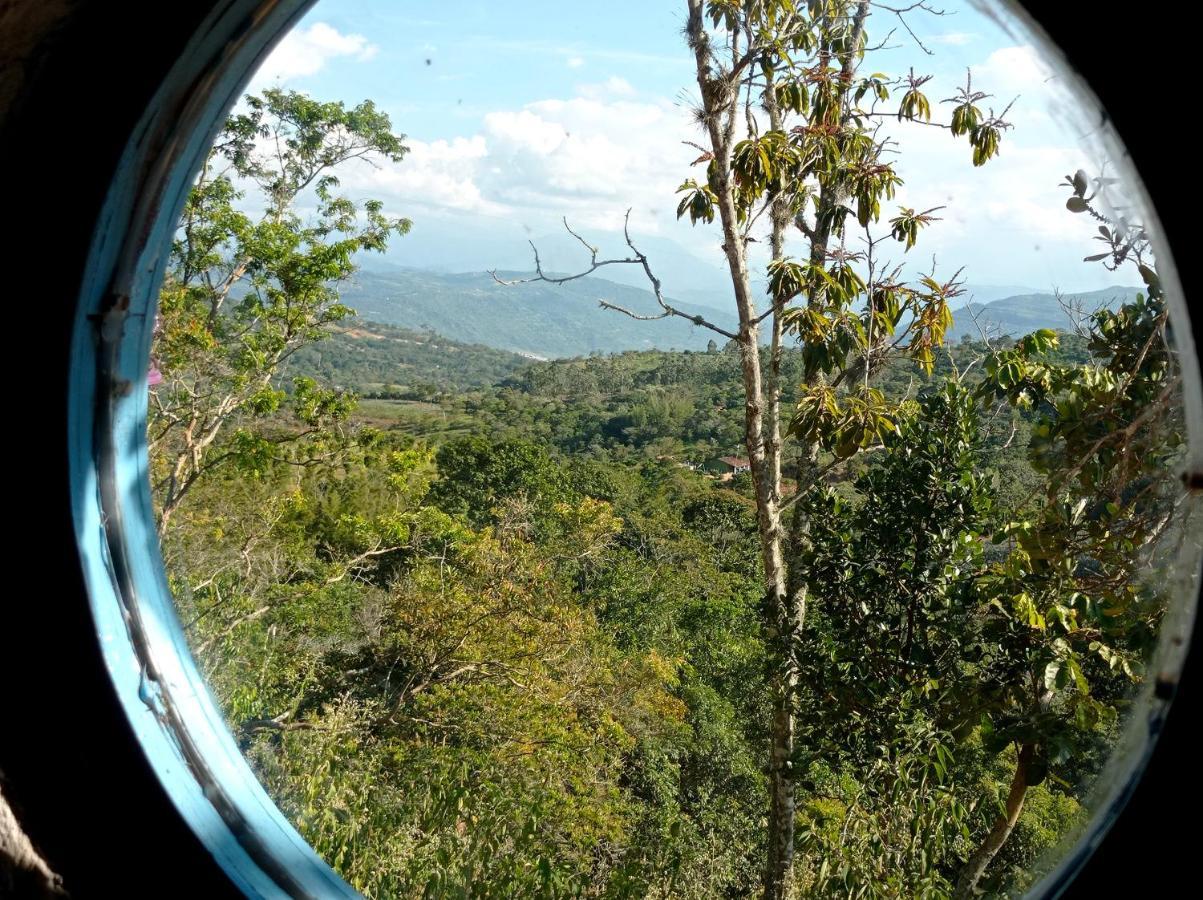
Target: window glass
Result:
[[686, 450]]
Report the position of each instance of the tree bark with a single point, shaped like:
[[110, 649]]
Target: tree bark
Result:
[[789, 605], [23, 872], [788, 608], [720, 105], [972, 873]]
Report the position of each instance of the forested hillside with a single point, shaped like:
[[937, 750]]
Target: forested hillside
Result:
[[657, 404], [509, 638], [371, 358]]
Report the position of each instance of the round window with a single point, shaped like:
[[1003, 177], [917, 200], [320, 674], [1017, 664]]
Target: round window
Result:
[[526, 452]]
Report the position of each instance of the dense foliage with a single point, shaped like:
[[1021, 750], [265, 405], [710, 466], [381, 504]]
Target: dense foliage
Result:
[[498, 632], [513, 648]]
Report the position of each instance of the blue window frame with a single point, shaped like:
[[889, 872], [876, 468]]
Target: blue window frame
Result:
[[156, 681]]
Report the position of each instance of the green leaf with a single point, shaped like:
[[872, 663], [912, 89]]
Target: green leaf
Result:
[[1051, 671]]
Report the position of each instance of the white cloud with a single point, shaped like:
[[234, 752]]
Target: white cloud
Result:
[[1018, 72], [952, 39], [526, 131], [1005, 221], [611, 87], [575, 62], [439, 173], [1019, 66], [588, 157], [306, 51], [1015, 200]]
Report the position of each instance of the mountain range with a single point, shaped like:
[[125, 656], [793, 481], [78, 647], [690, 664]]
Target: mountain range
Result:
[[1023, 313], [544, 321], [539, 320], [454, 244]]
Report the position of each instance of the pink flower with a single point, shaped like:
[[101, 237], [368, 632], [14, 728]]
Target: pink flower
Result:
[[153, 375]]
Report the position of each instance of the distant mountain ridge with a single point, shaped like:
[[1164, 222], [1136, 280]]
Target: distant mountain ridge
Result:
[[466, 243], [1024, 313], [988, 293], [549, 321], [537, 319]]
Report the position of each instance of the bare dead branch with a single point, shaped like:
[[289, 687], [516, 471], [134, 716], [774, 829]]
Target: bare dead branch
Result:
[[639, 259]]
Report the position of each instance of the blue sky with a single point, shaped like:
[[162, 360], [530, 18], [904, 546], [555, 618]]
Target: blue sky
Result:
[[519, 113]]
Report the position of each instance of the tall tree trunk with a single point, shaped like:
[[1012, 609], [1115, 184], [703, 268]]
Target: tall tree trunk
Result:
[[1000, 831], [788, 608], [720, 105]]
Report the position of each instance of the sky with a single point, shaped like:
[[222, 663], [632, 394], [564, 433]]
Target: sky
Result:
[[518, 114]]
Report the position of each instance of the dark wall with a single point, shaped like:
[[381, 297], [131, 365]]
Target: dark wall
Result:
[[73, 770]]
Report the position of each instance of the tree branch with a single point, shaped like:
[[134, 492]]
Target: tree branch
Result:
[[639, 258]]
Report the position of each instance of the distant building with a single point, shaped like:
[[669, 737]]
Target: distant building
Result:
[[728, 466]]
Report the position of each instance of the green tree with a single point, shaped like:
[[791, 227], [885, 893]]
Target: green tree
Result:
[[888, 570], [814, 162], [244, 291], [478, 476], [888, 567], [1069, 620]]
